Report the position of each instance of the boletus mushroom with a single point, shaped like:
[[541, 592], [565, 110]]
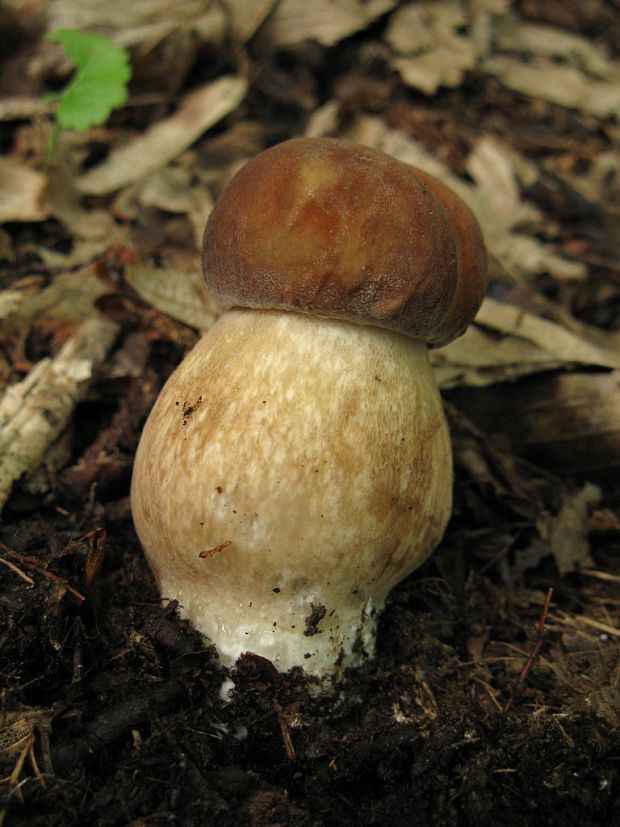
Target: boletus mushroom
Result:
[[297, 464]]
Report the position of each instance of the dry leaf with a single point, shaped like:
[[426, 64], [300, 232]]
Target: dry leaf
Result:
[[167, 189], [166, 139], [430, 51], [517, 252], [480, 358], [179, 292], [82, 253], [69, 296], [556, 341], [22, 193], [443, 66], [512, 34], [496, 169], [600, 185], [567, 533], [245, 18], [171, 189], [144, 22], [558, 84], [493, 167], [65, 205], [322, 20], [324, 120], [507, 342], [13, 109]]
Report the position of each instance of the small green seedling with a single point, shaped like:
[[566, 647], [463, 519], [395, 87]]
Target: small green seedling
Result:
[[99, 84]]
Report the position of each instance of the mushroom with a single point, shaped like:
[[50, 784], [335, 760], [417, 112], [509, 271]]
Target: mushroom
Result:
[[297, 464]]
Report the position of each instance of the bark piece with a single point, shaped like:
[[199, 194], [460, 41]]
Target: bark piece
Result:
[[34, 412]]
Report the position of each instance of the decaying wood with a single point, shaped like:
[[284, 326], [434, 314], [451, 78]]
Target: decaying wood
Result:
[[34, 412]]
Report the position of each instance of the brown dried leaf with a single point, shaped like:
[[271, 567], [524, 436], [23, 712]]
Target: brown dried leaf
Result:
[[444, 65], [171, 189], [554, 340], [513, 34], [22, 193], [94, 558], [562, 85], [516, 251], [166, 139], [65, 205], [480, 358], [179, 292], [492, 165], [526, 344], [17, 108], [146, 22], [322, 20], [245, 18], [430, 51], [567, 532], [69, 297], [34, 412]]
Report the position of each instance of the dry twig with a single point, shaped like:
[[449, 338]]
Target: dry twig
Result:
[[531, 658]]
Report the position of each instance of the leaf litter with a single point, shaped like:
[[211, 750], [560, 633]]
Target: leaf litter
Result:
[[489, 700]]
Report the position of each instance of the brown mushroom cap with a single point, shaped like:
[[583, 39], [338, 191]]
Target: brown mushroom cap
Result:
[[346, 232]]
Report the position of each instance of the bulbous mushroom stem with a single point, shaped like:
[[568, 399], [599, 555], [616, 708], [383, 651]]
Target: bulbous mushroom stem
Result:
[[292, 471]]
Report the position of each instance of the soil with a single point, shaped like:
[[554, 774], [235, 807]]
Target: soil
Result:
[[484, 705]]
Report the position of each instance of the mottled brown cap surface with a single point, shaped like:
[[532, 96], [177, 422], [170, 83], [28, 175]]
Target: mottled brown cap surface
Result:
[[343, 231]]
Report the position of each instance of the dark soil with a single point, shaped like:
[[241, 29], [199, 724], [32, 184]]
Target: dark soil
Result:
[[140, 733]]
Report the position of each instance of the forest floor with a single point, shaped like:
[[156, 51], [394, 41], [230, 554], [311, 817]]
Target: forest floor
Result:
[[494, 696]]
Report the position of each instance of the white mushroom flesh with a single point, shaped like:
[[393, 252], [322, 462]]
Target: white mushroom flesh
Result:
[[292, 471]]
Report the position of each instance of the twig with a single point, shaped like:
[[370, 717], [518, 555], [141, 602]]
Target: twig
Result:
[[210, 552], [531, 658], [39, 565], [18, 571], [54, 578], [601, 575], [286, 735], [592, 623]]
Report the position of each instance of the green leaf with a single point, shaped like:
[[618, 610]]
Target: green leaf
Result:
[[100, 83]]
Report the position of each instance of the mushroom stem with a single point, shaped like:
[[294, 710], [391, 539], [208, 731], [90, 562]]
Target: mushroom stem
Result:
[[292, 471]]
